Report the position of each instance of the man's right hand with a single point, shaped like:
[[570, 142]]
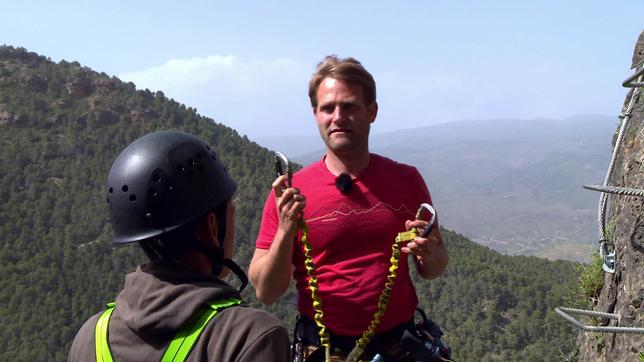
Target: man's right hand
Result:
[[290, 205], [270, 269]]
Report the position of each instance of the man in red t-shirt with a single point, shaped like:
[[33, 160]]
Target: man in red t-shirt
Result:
[[356, 202]]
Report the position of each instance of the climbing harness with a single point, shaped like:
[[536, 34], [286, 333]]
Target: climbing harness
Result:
[[182, 343], [424, 343], [101, 344], [383, 300]]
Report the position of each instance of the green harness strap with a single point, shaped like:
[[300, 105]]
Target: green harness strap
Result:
[[101, 344], [182, 343]]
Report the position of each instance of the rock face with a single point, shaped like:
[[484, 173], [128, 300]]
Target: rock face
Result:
[[623, 291], [79, 87], [14, 120]]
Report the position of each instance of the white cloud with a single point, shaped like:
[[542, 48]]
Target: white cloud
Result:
[[267, 97], [256, 97], [184, 74]]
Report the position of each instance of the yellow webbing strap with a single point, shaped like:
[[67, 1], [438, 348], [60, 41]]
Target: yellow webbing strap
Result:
[[101, 343], [383, 300], [325, 339], [182, 343]]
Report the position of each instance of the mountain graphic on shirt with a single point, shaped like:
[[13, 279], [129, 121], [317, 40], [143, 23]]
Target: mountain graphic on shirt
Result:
[[344, 210]]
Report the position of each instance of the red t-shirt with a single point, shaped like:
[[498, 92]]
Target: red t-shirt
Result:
[[351, 237]]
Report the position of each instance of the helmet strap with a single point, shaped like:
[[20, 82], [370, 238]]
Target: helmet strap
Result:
[[238, 272], [217, 261]]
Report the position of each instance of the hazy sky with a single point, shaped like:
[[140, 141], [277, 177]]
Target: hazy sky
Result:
[[247, 63]]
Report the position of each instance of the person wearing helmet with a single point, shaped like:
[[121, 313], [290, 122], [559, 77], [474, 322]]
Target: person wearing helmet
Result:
[[170, 193]]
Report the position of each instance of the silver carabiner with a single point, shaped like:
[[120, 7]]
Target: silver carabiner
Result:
[[608, 259], [432, 221], [286, 170]]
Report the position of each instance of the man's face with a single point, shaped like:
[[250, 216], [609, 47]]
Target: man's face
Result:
[[343, 117]]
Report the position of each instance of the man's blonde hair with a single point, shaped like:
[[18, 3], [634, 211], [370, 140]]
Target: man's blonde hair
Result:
[[348, 70]]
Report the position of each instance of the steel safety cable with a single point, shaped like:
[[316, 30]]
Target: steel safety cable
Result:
[[609, 174], [624, 191]]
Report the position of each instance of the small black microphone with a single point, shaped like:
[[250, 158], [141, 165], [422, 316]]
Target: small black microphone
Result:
[[344, 183]]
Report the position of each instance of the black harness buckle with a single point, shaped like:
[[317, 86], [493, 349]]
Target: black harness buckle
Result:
[[425, 344]]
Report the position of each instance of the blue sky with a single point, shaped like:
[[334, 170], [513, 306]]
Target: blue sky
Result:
[[247, 63]]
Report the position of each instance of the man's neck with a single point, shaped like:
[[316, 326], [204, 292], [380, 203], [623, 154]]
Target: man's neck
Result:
[[352, 164]]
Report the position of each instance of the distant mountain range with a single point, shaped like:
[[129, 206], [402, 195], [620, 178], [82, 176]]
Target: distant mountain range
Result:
[[514, 185]]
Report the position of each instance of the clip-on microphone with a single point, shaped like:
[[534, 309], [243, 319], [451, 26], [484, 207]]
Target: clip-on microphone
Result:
[[344, 183]]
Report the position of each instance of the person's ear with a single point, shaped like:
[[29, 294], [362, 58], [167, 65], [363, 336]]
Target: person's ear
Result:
[[212, 229], [373, 111]]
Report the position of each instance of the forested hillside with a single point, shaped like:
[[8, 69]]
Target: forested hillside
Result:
[[61, 126]]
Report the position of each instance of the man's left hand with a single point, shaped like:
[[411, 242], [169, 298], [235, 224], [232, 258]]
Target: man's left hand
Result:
[[429, 253], [421, 247]]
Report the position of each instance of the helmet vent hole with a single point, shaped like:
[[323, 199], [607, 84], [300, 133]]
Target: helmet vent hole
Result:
[[153, 192], [191, 162], [156, 178], [180, 168], [108, 200], [132, 197], [207, 147], [111, 190], [124, 188]]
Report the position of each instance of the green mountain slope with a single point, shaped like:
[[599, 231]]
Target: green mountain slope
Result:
[[61, 125]]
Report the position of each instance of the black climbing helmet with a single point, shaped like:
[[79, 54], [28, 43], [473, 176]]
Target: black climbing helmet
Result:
[[163, 181]]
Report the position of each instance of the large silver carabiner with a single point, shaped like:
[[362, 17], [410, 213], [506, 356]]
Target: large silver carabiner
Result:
[[432, 221], [286, 170], [413, 232]]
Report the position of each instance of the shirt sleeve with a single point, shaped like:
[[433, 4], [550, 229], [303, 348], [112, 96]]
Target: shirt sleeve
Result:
[[268, 227], [421, 186]]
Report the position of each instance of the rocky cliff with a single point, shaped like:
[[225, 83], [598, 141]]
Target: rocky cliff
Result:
[[623, 291]]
